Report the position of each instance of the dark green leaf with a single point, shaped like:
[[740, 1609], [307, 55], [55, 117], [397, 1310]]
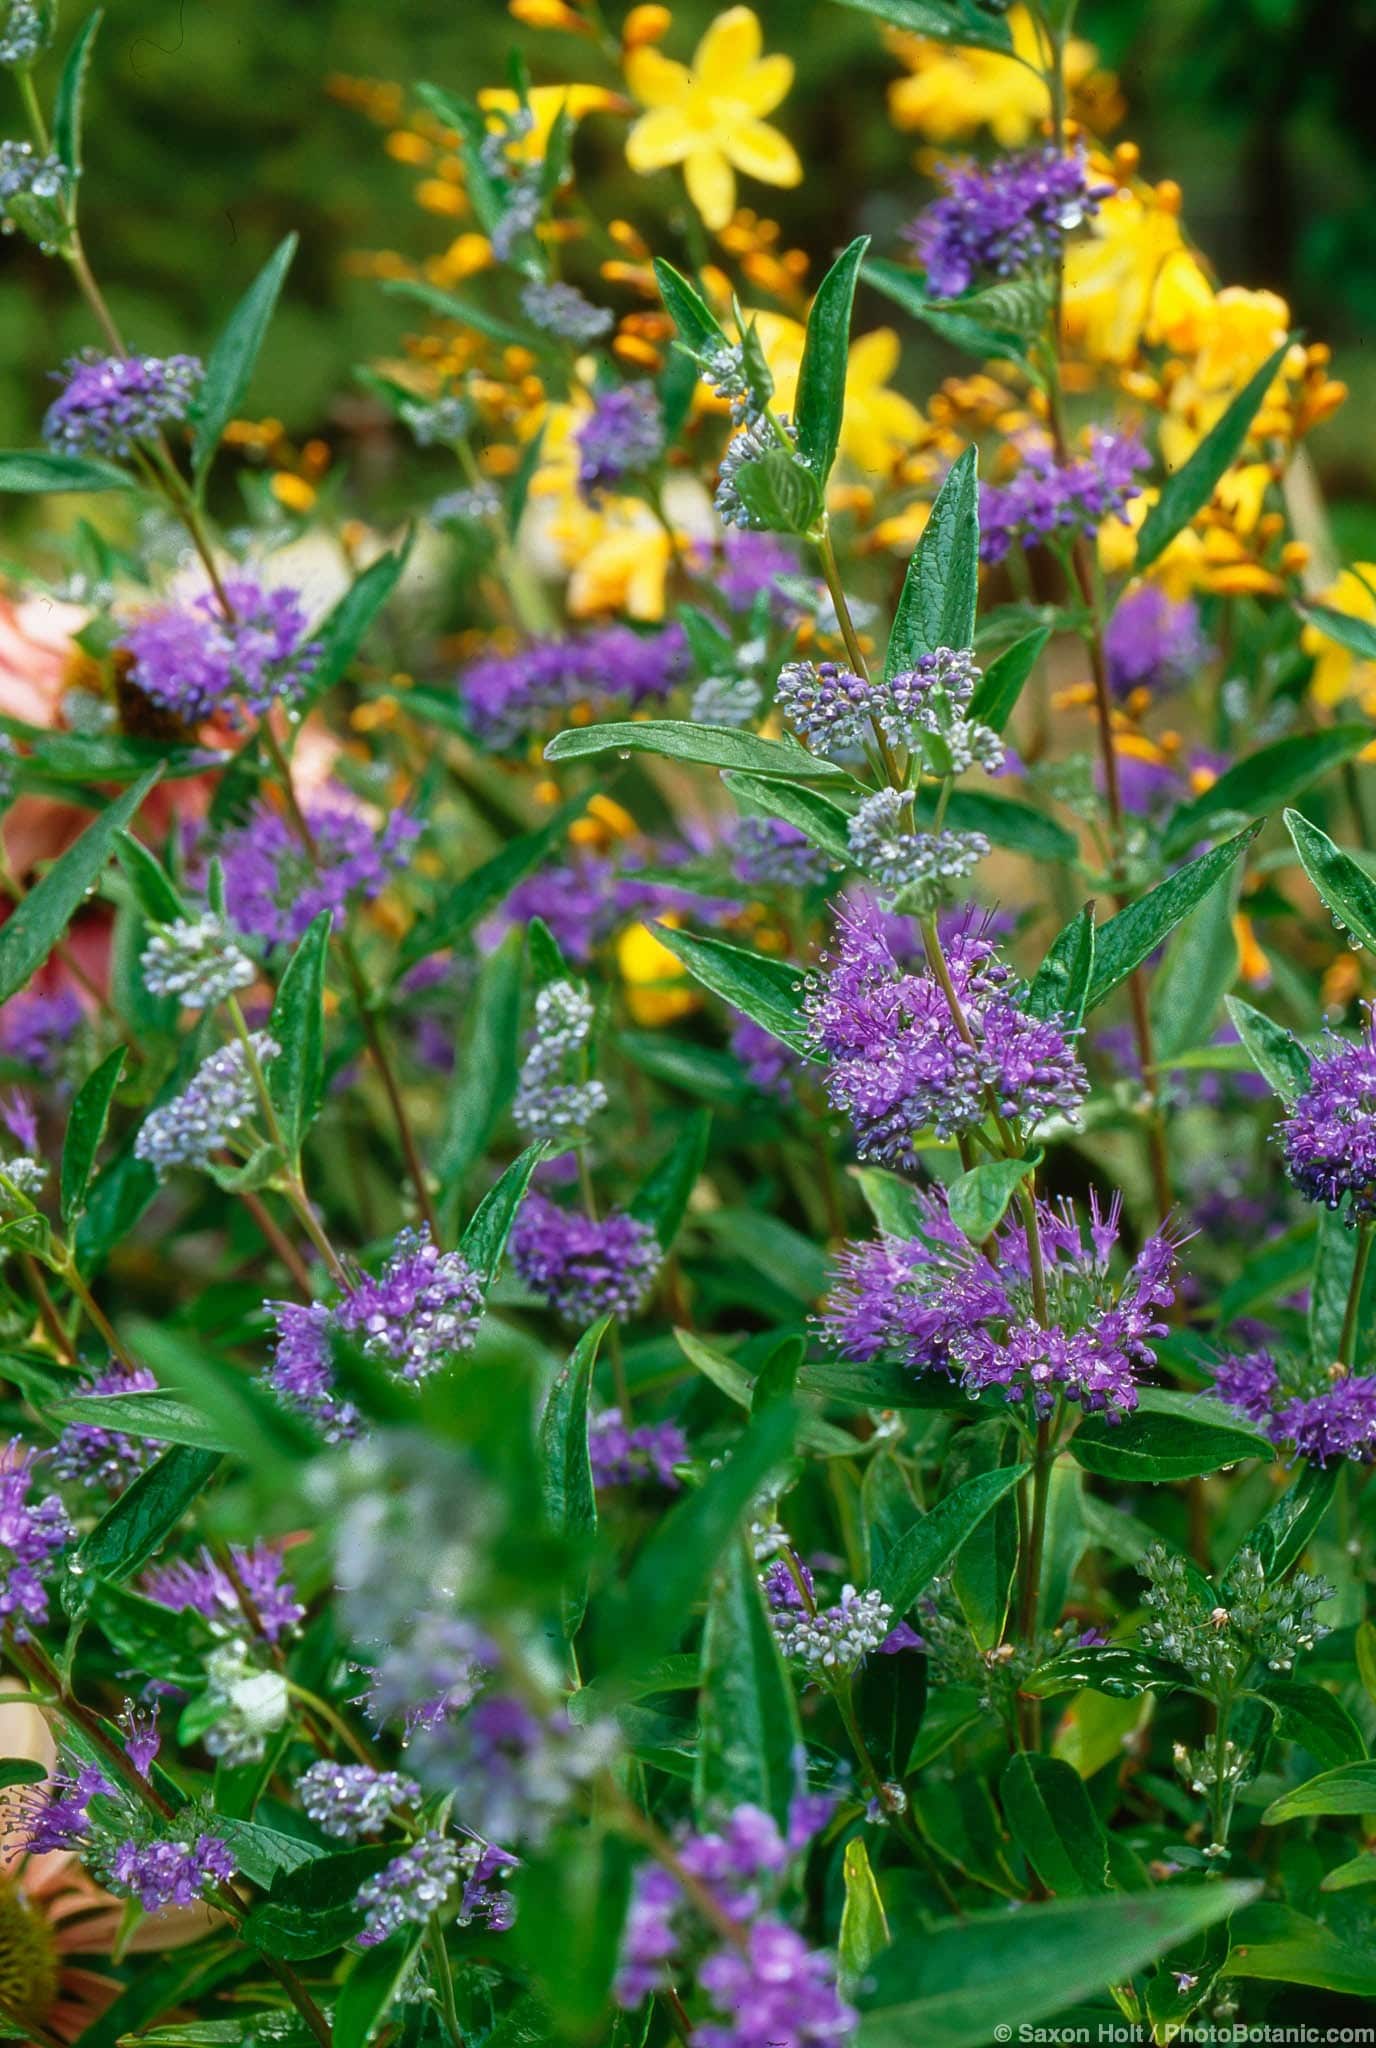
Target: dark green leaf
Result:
[[483, 888], [780, 492], [1335, 1260], [1127, 939], [824, 822], [310, 1910], [907, 289], [1060, 987], [19, 1770], [1262, 782], [1009, 823], [1200, 966], [678, 739], [929, 1547], [31, 470], [1276, 1054], [941, 589], [763, 988], [1194, 483], [1358, 636], [144, 1516], [153, 887], [733, 1380], [1277, 1945], [262, 1853], [950, 1986], [950, 21], [1318, 1721], [160, 1418], [698, 326], [1345, 887], [71, 87], [570, 1904], [370, 1990], [748, 1731], [296, 1078], [235, 354], [236, 1405], [485, 1071], [85, 1129], [565, 1467], [1051, 1820], [822, 377], [977, 1199], [1152, 1444], [1006, 677], [662, 1200], [484, 1241], [1284, 1532], [1349, 1789], [36, 925], [80, 758], [342, 631]]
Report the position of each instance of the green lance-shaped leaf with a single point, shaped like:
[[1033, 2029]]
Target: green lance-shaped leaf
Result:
[[662, 1199], [235, 355], [486, 1069], [1006, 822], [296, 1078], [1275, 1052], [154, 890], [928, 1548], [369, 1992], [941, 589], [71, 87], [864, 1923], [153, 1417], [1358, 636], [484, 1241], [36, 925], [77, 758], [949, 21], [1263, 782], [823, 821], [748, 1730], [1194, 483], [1006, 677], [1277, 1945], [1126, 940], [342, 631], [1192, 1435], [679, 739], [698, 326], [1286, 1529], [484, 887], [822, 377], [964, 330], [571, 1897], [141, 1520], [1199, 968], [1351, 1788], [977, 1199], [1317, 1720], [676, 1564], [1060, 987], [565, 1466], [951, 1986], [1335, 1261], [310, 1910], [1051, 1820], [35, 470], [450, 306], [763, 988], [1345, 887], [85, 1128], [239, 1409]]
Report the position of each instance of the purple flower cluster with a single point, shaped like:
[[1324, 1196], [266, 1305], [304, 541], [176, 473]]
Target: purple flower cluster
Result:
[[769, 853], [900, 1063], [274, 889], [200, 1586], [1152, 642], [60, 1819], [352, 1802], [769, 1064], [507, 696], [408, 1890], [112, 404], [936, 1303], [1047, 499], [1329, 1137], [142, 1739], [768, 1988], [585, 1268], [825, 1639], [35, 1029], [97, 1456], [643, 1455], [197, 661], [1337, 1420], [302, 1369], [520, 1768], [750, 567], [31, 1535], [422, 1308], [622, 437], [162, 1874], [999, 218]]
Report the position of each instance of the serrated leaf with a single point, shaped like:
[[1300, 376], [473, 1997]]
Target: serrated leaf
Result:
[[1006, 822], [85, 1128], [1285, 1530], [764, 988], [977, 1199], [1345, 887], [748, 1730], [928, 1548], [1317, 1720], [34, 927], [941, 588], [1190, 488], [310, 1910], [155, 1417], [235, 354], [1127, 939], [135, 1528], [822, 376], [780, 492], [1051, 1820], [1060, 987], [1276, 1053], [1262, 782], [680, 739], [1351, 1788]]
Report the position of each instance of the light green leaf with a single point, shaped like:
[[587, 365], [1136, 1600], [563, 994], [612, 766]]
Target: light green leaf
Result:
[[941, 589], [153, 888], [822, 377], [978, 1198], [71, 87], [485, 1070], [679, 739], [1345, 887], [85, 1128], [1277, 1945], [1194, 483], [1200, 967], [342, 631], [372, 1987], [1275, 1052], [824, 822], [864, 1924], [156, 1417], [963, 330], [1351, 1788], [566, 1483], [484, 887], [35, 926], [484, 1241], [780, 492], [1358, 636], [1153, 1445], [950, 21], [234, 356], [31, 470], [699, 328], [1009, 823]]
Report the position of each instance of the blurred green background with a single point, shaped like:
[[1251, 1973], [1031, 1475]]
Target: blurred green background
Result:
[[211, 132]]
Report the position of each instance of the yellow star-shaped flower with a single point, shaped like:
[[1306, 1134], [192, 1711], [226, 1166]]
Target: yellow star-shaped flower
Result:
[[707, 115]]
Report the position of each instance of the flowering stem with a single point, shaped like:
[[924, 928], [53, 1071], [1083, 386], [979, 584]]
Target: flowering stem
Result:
[[826, 553], [47, 1311], [277, 1238], [1348, 1340], [842, 1692], [444, 1976], [292, 1185], [95, 1314]]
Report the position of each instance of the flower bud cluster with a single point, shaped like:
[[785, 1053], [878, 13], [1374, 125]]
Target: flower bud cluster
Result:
[[1218, 1635]]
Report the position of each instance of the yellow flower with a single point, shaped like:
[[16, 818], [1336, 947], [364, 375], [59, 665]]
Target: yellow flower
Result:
[[1178, 569], [618, 557], [1234, 335], [707, 115], [544, 103], [657, 989], [878, 424], [954, 92], [1131, 277], [1338, 673]]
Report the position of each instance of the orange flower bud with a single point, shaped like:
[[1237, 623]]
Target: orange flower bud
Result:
[[293, 492], [1126, 159], [645, 25], [640, 354], [548, 14], [407, 148], [437, 197], [1294, 557], [1169, 196]]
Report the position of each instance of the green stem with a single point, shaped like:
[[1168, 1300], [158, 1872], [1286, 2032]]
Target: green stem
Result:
[[826, 552], [444, 1977], [841, 1692], [1347, 1342]]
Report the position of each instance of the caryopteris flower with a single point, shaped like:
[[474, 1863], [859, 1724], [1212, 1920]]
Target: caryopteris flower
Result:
[[353, 1802], [769, 853], [196, 960], [274, 888], [410, 1888], [32, 190], [260, 1599], [1152, 642], [32, 1533], [216, 1105], [1312, 1412], [1217, 1634], [1329, 1136], [827, 1640], [585, 1268], [507, 695], [1050, 500], [899, 1060], [707, 115], [887, 846], [199, 661], [622, 437], [111, 405], [303, 1371], [556, 1098], [641, 1455], [420, 1311], [561, 309], [998, 219], [170, 1873], [936, 1303]]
